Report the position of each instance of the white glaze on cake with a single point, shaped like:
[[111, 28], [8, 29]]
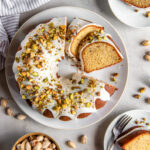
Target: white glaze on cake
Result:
[[38, 79]]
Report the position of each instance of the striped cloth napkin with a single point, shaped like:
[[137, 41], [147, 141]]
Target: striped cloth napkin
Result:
[[9, 21]]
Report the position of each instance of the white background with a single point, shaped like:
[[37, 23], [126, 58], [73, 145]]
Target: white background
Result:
[[139, 73]]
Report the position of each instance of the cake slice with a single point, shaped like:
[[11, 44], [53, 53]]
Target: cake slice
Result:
[[78, 30], [138, 3], [81, 35], [135, 138], [72, 31], [97, 50]]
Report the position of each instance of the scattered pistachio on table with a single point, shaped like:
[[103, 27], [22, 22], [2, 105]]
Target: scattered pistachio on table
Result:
[[137, 96], [142, 90], [148, 52], [146, 43], [147, 14], [148, 100], [83, 139], [147, 57], [9, 111], [4, 103], [21, 117], [136, 10], [71, 144]]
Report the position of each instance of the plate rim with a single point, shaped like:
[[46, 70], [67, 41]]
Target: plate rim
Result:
[[140, 27], [125, 51], [132, 110]]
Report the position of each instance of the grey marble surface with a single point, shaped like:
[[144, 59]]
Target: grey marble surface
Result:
[[139, 73]]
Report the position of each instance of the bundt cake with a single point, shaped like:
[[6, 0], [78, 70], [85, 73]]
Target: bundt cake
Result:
[[138, 3], [135, 138], [97, 50], [36, 72]]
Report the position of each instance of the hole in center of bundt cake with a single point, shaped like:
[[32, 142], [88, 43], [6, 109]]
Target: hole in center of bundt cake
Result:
[[66, 68]]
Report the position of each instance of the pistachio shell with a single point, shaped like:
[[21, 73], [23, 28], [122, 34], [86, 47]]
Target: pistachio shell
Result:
[[53, 145], [46, 139], [83, 139], [9, 111], [28, 146], [33, 142], [32, 137], [146, 43], [40, 138], [4, 103], [71, 144], [147, 57], [23, 144], [18, 147], [38, 146], [21, 117], [45, 144], [48, 149]]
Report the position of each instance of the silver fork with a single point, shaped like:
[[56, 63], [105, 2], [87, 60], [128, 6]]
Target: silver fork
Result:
[[118, 128]]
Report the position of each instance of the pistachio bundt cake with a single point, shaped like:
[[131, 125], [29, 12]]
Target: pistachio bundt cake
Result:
[[36, 72], [135, 138]]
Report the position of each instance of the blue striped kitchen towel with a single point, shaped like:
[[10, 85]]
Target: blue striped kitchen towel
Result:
[[9, 21]]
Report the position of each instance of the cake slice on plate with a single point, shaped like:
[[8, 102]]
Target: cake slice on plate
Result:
[[135, 138], [138, 3]]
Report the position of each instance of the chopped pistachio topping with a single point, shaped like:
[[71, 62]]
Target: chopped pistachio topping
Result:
[[45, 80], [17, 59]]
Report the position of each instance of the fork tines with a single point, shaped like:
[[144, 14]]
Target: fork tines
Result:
[[123, 121]]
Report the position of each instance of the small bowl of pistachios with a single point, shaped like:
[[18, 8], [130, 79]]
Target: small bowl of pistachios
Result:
[[35, 141]]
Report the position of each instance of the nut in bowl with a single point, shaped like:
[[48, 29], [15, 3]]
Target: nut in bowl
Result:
[[35, 141]]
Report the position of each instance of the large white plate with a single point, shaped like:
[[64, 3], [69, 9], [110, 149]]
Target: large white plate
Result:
[[127, 14], [103, 74], [135, 114]]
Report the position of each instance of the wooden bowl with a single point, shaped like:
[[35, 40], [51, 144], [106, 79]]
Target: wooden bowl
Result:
[[34, 133]]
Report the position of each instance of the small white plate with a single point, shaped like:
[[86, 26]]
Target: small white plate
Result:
[[135, 114], [103, 74], [126, 14]]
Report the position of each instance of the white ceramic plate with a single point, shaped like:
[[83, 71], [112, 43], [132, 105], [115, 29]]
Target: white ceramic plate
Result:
[[127, 14], [135, 114], [103, 74]]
